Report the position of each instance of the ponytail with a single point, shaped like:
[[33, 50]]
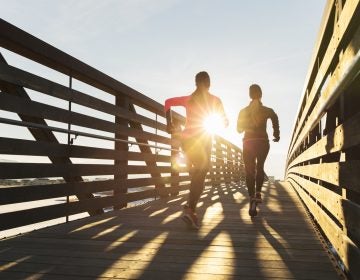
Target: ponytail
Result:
[[255, 116]]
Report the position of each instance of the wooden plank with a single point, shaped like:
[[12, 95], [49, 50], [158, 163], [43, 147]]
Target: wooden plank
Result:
[[352, 219], [41, 170], [20, 194], [10, 170], [346, 20], [171, 249], [121, 164], [329, 199], [25, 79], [37, 192], [12, 146], [342, 174], [124, 262], [45, 213], [347, 250], [145, 149], [343, 137], [39, 110], [36, 109], [201, 272]]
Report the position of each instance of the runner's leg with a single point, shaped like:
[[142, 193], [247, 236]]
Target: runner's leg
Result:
[[249, 161], [262, 152]]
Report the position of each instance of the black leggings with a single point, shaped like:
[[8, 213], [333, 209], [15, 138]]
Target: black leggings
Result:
[[255, 152], [198, 152]]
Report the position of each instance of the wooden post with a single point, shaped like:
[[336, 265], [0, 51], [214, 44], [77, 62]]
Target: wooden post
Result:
[[212, 168], [228, 164], [217, 163], [145, 149], [121, 164]]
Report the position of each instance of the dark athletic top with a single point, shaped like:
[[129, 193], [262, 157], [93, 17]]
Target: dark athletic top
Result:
[[253, 131], [197, 111]]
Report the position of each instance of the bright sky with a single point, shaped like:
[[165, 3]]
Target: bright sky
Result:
[[158, 46]]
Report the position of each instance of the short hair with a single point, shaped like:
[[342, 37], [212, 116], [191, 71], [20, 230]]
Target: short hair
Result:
[[255, 91], [202, 77]]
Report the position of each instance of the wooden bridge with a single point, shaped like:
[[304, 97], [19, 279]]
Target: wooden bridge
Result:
[[95, 160]]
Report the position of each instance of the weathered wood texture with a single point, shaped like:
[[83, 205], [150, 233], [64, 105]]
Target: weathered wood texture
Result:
[[324, 154], [151, 242]]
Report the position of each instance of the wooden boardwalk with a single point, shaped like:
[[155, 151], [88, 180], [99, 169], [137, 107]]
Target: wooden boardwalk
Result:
[[150, 242]]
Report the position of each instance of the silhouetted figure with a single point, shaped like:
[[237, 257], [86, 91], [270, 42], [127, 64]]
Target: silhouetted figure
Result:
[[252, 120], [196, 142]]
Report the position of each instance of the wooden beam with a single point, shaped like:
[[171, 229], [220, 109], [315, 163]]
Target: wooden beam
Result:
[[144, 149], [12, 146], [343, 137], [341, 174]]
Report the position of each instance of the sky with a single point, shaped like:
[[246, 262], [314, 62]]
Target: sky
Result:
[[157, 47]]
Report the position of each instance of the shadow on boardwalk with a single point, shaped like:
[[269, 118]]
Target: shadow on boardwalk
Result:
[[150, 242]]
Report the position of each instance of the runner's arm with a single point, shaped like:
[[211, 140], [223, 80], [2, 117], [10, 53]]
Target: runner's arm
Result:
[[223, 114], [175, 101], [275, 123], [241, 122]]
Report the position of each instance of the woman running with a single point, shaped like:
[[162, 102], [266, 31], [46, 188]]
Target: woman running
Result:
[[196, 141], [252, 120]]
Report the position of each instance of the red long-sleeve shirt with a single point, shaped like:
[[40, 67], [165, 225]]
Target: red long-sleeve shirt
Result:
[[196, 111]]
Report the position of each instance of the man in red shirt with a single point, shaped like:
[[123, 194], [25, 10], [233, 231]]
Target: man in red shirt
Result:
[[196, 141]]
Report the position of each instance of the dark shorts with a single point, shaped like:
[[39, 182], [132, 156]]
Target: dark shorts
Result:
[[197, 150]]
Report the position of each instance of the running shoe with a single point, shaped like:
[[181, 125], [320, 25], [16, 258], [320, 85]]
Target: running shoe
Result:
[[252, 208], [258, 197], [190, 218]]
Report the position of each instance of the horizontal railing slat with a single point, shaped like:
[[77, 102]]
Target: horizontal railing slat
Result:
[[352, 218], [12, 146], [18, 194], [329, 199], [10, 170], [40, 214], [343, 137], [342, 174], [36, 109]]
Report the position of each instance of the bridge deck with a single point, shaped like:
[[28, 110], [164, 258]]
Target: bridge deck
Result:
[[150, 242]]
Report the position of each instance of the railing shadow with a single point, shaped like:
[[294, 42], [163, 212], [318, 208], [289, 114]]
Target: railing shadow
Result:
[[150, 241]]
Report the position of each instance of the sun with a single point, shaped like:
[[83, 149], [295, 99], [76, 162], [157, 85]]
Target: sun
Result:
[[213, 123]]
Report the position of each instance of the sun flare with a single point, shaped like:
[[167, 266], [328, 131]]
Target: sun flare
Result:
[[213, 123]]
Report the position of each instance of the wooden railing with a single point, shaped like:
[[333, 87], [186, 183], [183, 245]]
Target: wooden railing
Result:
[[323, 162], [105, 144]]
